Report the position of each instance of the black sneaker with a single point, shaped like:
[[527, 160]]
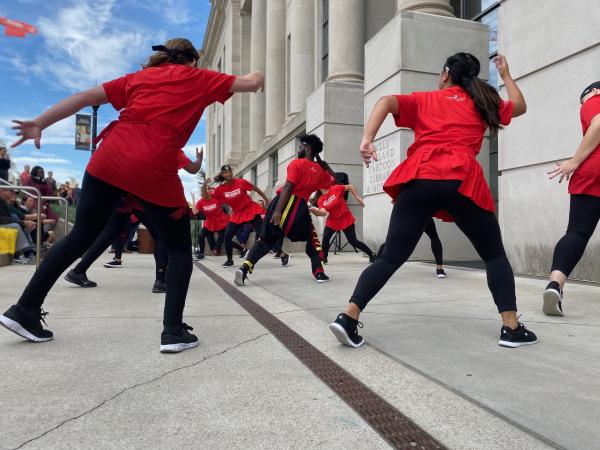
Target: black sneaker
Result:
[[372, 258], [321, 277], [243, 253], [80, 279], [227, 263], [199, 256], [160, 287], [175, 341], [114, 264], [325, 261], [516, 338], [440, 273], [345, 330], [285, 259], [241, 275], [553, 297], [26, 322]]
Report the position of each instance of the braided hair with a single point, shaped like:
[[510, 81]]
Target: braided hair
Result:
[[316, 145], [463, 69]]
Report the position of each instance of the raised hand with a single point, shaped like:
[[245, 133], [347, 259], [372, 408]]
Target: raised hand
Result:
[[27, 129], [501, 65]]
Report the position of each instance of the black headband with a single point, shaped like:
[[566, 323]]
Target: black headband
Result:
[[173, 53], [589, 89]]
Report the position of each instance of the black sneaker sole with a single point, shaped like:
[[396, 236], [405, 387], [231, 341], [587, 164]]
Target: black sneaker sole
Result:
[[159, 291], [78, 282], [511, 344], [176, 348], [110, 266], [16, 328], [342, 337], [551, 301], [239, 278], [321, 281]]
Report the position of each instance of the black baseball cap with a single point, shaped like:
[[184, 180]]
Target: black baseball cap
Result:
[[587, 90]]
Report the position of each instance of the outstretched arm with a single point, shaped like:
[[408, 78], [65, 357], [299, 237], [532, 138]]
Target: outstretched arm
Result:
[[514, 93], [251, 82], [352, 190], [590, 142], [194, 167], [261, 193], [318, 211], [32, 129], [383, 107]]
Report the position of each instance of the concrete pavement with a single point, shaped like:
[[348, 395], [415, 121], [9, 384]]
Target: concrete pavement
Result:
[[432, 354]]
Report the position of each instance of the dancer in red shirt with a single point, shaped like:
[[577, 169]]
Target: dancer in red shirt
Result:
[[583, 173], [339, 218], [441, 176], [288, 215], [234, 193], [159, 108], [216, 221]]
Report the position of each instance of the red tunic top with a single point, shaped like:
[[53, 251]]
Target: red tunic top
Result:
[[216, 219], [160, 106], [586, 179], [448, 136], [307, 177], [339, 217], [235, 195]]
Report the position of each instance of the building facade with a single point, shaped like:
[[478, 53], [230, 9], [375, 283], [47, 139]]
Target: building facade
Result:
[[328, 61]]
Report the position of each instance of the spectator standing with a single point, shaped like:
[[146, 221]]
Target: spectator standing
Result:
[[4, 162], [25, 177], [50, 181]]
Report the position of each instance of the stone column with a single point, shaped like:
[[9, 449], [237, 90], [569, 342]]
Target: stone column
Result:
[[346, 40], [258, 45], [439, 7], [302, 60], [275, 67]]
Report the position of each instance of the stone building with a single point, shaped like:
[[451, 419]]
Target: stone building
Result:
[[328, 61]]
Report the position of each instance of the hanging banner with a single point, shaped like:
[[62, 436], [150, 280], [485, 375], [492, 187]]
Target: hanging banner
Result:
[[83, 131]]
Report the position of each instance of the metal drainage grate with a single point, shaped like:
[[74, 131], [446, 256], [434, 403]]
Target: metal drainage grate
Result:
[[395, 428]]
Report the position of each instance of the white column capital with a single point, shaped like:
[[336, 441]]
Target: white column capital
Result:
[[439, 7]]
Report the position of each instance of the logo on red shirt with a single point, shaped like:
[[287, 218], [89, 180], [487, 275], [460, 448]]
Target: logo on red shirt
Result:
[[456, 98], [329, 200], [234, 193], [209, 207]]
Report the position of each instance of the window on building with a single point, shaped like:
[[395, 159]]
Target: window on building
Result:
[[213, 157], [325, 39], [218, 149], [254, 176], [288, 70], [274, 160]]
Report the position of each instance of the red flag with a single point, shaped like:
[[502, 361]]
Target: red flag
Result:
[[16, 28]]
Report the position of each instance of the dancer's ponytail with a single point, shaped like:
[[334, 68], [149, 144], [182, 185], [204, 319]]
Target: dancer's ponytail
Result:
[[463, 69]]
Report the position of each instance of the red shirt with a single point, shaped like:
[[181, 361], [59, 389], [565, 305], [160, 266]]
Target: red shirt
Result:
[[25, 177], [216, 219], [586, 179], [160, 106], [307, 177], [235, 195], [333, 201], [448, 135]]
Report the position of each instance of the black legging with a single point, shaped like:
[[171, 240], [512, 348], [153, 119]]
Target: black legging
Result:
[[584, 215], [267, 243], [350, 233], [96, 204], [414, 207], [117, 224], [232, 229], [436, 244], [210, 237]]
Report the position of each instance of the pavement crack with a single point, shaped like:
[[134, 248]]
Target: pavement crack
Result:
[[144, 383]]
